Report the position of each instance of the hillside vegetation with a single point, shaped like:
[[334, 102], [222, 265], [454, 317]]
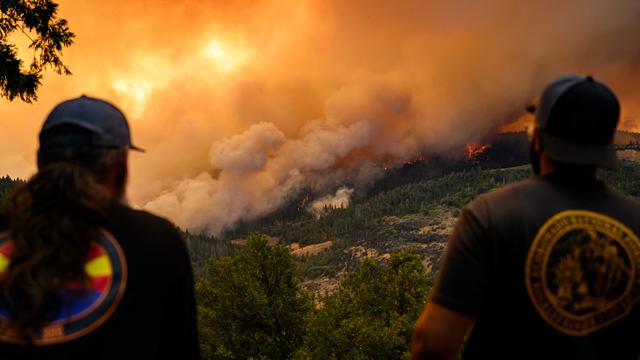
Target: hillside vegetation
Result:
[[417, 215]]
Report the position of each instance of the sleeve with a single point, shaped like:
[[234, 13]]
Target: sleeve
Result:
[[184, 341], [463, 278]]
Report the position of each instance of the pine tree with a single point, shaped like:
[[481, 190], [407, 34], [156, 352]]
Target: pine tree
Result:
[[372, 314], [249, 304]]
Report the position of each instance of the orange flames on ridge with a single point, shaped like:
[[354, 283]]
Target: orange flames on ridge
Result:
[[417, 158], [474, 151]]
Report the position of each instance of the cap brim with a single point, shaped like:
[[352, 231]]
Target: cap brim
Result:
[[567, 151], [133, 147]]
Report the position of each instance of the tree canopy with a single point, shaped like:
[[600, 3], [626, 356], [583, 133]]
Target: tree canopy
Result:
[[249, 305], [48, 35], [372, 314]]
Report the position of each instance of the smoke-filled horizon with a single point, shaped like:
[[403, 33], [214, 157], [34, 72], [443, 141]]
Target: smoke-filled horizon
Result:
[[242, 104]]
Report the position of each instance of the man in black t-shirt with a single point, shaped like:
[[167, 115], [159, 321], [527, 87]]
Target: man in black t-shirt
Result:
[[128, 294], [547, 268]]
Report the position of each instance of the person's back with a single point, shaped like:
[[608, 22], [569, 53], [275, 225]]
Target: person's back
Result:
[[84, 276], [548, 267], [562, 260]]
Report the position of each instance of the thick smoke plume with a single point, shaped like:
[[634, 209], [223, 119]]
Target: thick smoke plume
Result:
[[242, 104]]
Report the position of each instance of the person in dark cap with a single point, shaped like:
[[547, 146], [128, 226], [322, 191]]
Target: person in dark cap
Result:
[[82, 275], [547, 268]]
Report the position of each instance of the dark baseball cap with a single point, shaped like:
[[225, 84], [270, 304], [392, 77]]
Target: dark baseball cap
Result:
[[577, 117], [106, 125]]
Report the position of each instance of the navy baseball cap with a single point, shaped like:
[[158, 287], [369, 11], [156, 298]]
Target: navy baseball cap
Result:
[[577, 117], [106, 125]]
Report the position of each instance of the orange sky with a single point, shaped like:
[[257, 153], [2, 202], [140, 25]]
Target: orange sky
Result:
[[346, 83]]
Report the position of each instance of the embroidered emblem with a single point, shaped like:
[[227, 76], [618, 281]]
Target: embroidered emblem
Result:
[[582, 271], [83, 308]]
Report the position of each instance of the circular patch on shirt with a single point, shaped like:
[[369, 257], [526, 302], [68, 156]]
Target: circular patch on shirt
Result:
[[84, 307], [582, 271]]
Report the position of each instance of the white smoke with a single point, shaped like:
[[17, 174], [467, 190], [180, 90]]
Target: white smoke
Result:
[[249, 151], [341, 199], [259, 170]]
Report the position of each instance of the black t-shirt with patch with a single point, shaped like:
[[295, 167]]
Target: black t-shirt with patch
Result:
[[550, 268], [155, 317]]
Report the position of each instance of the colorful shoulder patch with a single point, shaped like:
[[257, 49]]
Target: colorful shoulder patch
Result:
[[83, 308], [582, 271]]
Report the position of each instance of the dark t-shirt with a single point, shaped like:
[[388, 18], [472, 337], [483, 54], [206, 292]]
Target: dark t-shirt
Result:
[[154, 317], [550, 268]]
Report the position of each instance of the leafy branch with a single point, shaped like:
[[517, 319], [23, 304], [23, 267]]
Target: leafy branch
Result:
[[48, 35]]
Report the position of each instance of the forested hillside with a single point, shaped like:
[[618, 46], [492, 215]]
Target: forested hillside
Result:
[[417, 214]]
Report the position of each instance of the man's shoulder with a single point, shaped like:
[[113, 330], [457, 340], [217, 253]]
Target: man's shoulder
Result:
[[626, 201], [507, 195], [123, 211], [141, 224], [538, 193]]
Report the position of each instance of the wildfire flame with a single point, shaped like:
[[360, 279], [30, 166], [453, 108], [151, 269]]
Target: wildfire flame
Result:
[[474, 151], [303, 203], [417, 158]]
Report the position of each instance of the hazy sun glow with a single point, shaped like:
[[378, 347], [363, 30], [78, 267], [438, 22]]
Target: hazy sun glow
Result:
[[151, 72], [138, 91], [226, 57]]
